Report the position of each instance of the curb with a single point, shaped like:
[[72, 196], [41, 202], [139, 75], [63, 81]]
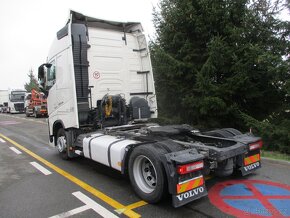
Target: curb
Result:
[[276, 160]]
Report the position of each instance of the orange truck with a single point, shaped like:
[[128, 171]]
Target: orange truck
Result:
[[35, 104]]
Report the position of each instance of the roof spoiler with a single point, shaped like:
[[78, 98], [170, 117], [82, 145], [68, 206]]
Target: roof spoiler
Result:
[[127, 27]]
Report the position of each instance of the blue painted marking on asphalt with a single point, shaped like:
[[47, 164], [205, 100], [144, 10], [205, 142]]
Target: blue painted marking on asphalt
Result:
[[283, 205], [236, 190], [249, 205], [269, 190]]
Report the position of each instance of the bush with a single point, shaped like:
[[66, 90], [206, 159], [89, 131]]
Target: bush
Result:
[[275, 131]]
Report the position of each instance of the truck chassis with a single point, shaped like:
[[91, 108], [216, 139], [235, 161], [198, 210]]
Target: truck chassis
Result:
[[165, 159]]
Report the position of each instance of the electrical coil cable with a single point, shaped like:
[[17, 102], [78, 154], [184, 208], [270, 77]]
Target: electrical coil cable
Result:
[[108, 106]]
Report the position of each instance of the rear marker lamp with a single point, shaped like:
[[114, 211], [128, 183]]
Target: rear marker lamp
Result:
[[256, 145], [188, 168]]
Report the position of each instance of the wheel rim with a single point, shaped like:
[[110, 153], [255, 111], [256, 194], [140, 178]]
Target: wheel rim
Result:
[[61, 143], [145, 174]]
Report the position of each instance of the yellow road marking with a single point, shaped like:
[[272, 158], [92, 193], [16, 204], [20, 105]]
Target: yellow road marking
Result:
[[127, 210], [75, 180], [131, 206]]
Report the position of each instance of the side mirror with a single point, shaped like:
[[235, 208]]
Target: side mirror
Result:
[[42, 77], [41, 70]]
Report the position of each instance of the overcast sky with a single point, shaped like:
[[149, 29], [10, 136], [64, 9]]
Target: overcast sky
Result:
[[28, 28]]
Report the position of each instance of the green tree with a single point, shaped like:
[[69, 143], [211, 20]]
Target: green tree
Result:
[[32, 84], [218, 58]]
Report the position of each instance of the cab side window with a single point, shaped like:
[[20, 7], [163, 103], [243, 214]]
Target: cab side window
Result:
[[51, 75]]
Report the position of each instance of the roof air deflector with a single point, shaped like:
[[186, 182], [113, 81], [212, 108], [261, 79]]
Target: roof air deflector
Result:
[[128, 27]]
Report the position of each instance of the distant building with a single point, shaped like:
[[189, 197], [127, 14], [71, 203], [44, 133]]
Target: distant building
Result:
[[3, 96]]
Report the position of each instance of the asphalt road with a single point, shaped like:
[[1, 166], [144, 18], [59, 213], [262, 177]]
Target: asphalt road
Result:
[[83, 188]]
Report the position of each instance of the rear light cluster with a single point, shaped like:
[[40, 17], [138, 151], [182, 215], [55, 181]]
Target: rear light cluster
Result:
[[188, 168], [256, 145]]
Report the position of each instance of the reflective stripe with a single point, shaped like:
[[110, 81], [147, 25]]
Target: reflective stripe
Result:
[[251, 159], [190, 184]]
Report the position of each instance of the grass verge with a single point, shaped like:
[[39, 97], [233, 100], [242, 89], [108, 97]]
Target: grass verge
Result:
[[275, 155]]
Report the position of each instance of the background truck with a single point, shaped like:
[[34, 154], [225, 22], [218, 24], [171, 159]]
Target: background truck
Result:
[[3, 100], [35, 104], [3, 107], [101, 98], [16, 101]]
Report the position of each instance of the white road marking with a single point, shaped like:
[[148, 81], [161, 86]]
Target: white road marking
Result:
[[8, 122], [15, 150], [72, 212], [89, 204], [2, 140], [94, 205], [40, 168], [23, 118]]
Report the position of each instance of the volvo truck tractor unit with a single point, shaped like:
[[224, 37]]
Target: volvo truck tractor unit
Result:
[[4, 97], [16, 101], [101, 96]]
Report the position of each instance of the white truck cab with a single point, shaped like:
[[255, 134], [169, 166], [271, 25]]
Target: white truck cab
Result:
[[92, 61], [16, 101]]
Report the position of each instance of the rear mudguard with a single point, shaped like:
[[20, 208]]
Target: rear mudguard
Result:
[[193, 187]]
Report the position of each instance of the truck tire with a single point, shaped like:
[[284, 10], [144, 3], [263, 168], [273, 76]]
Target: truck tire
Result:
[[35, 114], [146, 173], [61, 143], [225, 168], [26, 112]]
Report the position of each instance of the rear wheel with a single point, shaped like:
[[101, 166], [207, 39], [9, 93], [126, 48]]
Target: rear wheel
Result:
[[35, 114], [146, 173], [225, 168], [26, 112]]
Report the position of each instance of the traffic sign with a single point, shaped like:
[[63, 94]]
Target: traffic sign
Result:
[[251, 198], [96, 75]]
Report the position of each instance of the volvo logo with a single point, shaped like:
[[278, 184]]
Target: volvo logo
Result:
[[190, 193]]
